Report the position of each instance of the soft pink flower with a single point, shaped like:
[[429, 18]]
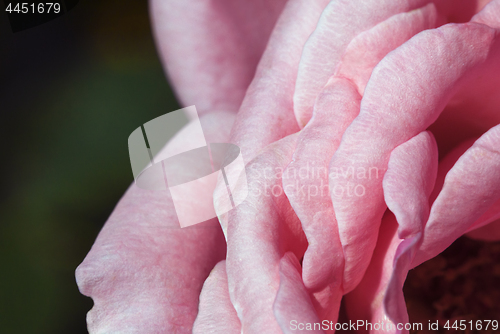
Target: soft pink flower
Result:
[[376, 100]]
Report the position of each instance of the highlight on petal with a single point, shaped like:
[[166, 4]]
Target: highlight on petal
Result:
[[367, 49], [216, 313], [210, 49], [293, 305], [260, 231], [144, 273], [340, 22]]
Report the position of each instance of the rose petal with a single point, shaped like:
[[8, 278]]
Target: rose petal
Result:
[[293, 304], [407, 184], [340, 22], [471, 187], [366, 301], [266, 112], [406, 92], [323, 263], [367, 49], [210, 49], [261, 230], [409, 180], [216, 313], [144, 273]]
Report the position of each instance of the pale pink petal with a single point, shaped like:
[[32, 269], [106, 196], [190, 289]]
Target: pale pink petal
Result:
[[366, 301], [266, 114], [409, 180], [211, 49], [293, 305], [340, 22], [489, 15], [489, 216], [471, 187], [407, 184], [367, 49], [144, 273], [216, 313], [261, 230], [406, 93], [305, 182]]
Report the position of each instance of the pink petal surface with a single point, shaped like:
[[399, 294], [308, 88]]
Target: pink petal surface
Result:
[[409, 181], [407, 184], [266, 113], [322, 138], [305, 182], [340, 22], [406, 92], [471, 187], [144, 273], [366, 301], [210, 49], [216, 313], [261, 230], [367, 49], [293, 305]]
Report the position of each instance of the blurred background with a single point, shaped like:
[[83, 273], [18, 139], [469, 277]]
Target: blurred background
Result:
[[71, 92]]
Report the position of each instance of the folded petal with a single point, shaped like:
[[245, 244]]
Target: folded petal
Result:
[[367, 49], [366, 301], [211, 49], [409, 180], [260, 231], [407, 184], [305, 182], [406, 93], [266, 114], [144, 273], [340, 22], [216, 313], [471, 187], [293, 305]]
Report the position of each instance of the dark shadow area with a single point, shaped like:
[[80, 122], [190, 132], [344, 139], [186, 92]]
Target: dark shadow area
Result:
[[71, 92]]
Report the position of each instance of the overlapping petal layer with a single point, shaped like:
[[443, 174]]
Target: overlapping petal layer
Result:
[[266, 114], [210, 48], [406, 93], [144, 273], [216, 313], [340, 22], [293, 305], [262, 230]]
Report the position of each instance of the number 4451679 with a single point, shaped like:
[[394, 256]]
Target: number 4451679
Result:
[[472, 325], [38, 8]]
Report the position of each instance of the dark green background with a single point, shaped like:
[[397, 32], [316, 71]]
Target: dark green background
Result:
[[71, 92]]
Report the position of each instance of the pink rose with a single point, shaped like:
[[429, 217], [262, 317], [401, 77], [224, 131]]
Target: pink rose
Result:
[[371, 140]]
